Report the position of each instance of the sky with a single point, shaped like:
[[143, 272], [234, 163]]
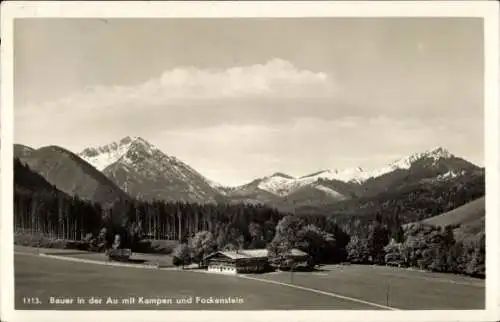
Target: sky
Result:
[[238, 99]]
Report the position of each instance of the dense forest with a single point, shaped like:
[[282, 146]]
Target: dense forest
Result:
[[376, 237]]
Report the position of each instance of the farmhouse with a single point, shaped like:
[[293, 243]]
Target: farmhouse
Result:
[[246, 261]]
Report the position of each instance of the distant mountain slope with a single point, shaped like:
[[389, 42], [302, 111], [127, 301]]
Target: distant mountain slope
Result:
[[411, 202], [471, 212], [27, 180], [356, 175], [438, 159], [250, 195], [468, 220], [145, 172], [72, 175], [279, 189], [21, 150], [314, 194], [331, 186], [279, 184], [435, 164], [104, 156], [262, 190]]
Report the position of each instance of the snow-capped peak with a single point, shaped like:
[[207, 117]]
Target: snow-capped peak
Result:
[[283, 184], [216, 185], [279, 183], [103, 156], [438, 153], [435, 154], [360, 175], [349, 174]]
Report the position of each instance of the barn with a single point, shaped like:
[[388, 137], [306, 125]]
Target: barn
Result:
[[245, 261]]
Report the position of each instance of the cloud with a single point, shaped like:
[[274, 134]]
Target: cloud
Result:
[[275, 78], [181, 97]]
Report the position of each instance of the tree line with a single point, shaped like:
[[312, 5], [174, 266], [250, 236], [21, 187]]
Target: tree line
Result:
[[420, 246], [206, 228], [203, 228]]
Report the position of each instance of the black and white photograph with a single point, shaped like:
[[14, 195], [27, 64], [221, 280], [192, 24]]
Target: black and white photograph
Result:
[[251, 163]]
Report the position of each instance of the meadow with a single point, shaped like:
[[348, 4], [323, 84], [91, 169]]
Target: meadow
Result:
[[333, 287]]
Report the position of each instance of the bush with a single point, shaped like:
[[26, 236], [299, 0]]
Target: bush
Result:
[[181, 255], [176, 261], [152, 246], [393, 256], [201, 245], [358, 251], [78, 245], [26, 239]]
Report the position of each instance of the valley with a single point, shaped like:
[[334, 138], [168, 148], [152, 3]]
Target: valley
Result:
[[131, 188]]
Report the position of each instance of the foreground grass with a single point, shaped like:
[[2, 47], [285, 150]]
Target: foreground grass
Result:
[[395, 287], [45, 277]]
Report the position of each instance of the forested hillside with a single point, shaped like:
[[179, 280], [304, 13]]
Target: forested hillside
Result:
[[412, 202], [72, 175], [368, 231]]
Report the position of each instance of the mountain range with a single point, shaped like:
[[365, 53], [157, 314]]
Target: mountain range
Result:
[[329, 186], [143, 171], [133, 167]]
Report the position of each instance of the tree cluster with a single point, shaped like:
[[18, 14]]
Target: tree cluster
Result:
[[374, 238], [424, 247]]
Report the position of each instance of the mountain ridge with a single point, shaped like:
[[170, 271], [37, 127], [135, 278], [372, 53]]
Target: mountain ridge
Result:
[[145, 172], [437, 163], [72, 175]]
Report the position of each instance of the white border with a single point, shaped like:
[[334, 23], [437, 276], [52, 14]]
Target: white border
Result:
[[485, 9]]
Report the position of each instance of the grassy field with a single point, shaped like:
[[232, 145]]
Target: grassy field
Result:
[[470, 217], [469, 213], [138, 258], [394, 287], [44, 277]]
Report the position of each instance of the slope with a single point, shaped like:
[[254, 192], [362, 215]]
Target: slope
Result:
[[411, 202], [331, 186], [468, 220], [72, 175], [434, 164], [28, 181], [469, 213], [145, 172], [21, 150]]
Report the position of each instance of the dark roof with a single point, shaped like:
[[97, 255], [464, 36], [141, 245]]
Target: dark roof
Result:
[[252, 253]]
